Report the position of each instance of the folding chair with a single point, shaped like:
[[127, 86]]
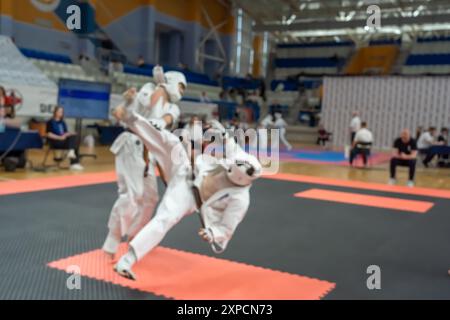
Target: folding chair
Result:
[[57, 158]]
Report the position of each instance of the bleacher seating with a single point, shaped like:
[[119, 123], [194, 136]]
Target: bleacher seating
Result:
[[56, 70], [193, 91], [17, 69], [46, 67], [282, 97], [192, 77], [384, 42], [311, 58], [40, 55], [292, 85], [429, 56], [236, 82], [33, 67]]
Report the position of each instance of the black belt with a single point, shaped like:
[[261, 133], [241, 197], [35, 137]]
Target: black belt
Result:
[[146, 165], [197, 197]]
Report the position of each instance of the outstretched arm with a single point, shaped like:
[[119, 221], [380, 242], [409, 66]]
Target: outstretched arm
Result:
[[219, 234]]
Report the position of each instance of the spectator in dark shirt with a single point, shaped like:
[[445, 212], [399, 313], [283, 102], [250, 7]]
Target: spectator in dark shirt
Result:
[[323, 136], [443, 136], [60, 138], [443, 139], [141, 62], [404, 154]]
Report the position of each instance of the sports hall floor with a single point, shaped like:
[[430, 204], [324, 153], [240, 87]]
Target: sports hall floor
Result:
[[310, 233]]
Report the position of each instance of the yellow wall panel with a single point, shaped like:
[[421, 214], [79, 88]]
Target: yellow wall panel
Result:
[[108, 11], [257, 58], [374, 57], [218, 13], [24, 11], [6, 7]]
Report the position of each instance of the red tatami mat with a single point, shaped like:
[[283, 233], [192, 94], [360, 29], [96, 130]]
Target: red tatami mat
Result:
[[435, 193], [366, 200], [53, 183], [188, 276]]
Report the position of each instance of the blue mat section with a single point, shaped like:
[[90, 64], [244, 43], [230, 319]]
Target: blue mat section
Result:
[[325, 156]]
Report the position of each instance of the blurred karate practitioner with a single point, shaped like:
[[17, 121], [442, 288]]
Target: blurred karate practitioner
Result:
[[281, 125], [135, 167], [218, 188], [263, 127]]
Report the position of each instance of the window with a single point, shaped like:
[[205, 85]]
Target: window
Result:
[[244, 44], [265, 53]]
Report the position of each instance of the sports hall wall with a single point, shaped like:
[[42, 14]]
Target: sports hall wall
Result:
[[388, 104], [132, 25]]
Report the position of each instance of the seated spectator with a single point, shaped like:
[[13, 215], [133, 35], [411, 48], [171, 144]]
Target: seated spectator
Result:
[[324, 136], [404, 154], [5, 121], [141, 62], [443, 139], [204, 98], [424, 144], [361, 144], [115, 66], [183, 66], [17, 157], [2, 119], [10, 104], [60, 138]]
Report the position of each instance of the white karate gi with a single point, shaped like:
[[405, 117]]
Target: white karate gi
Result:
[[137, 192], [281, 125], [222, 212]]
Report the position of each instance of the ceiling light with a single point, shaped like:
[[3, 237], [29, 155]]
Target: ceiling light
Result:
[[291, 19]]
